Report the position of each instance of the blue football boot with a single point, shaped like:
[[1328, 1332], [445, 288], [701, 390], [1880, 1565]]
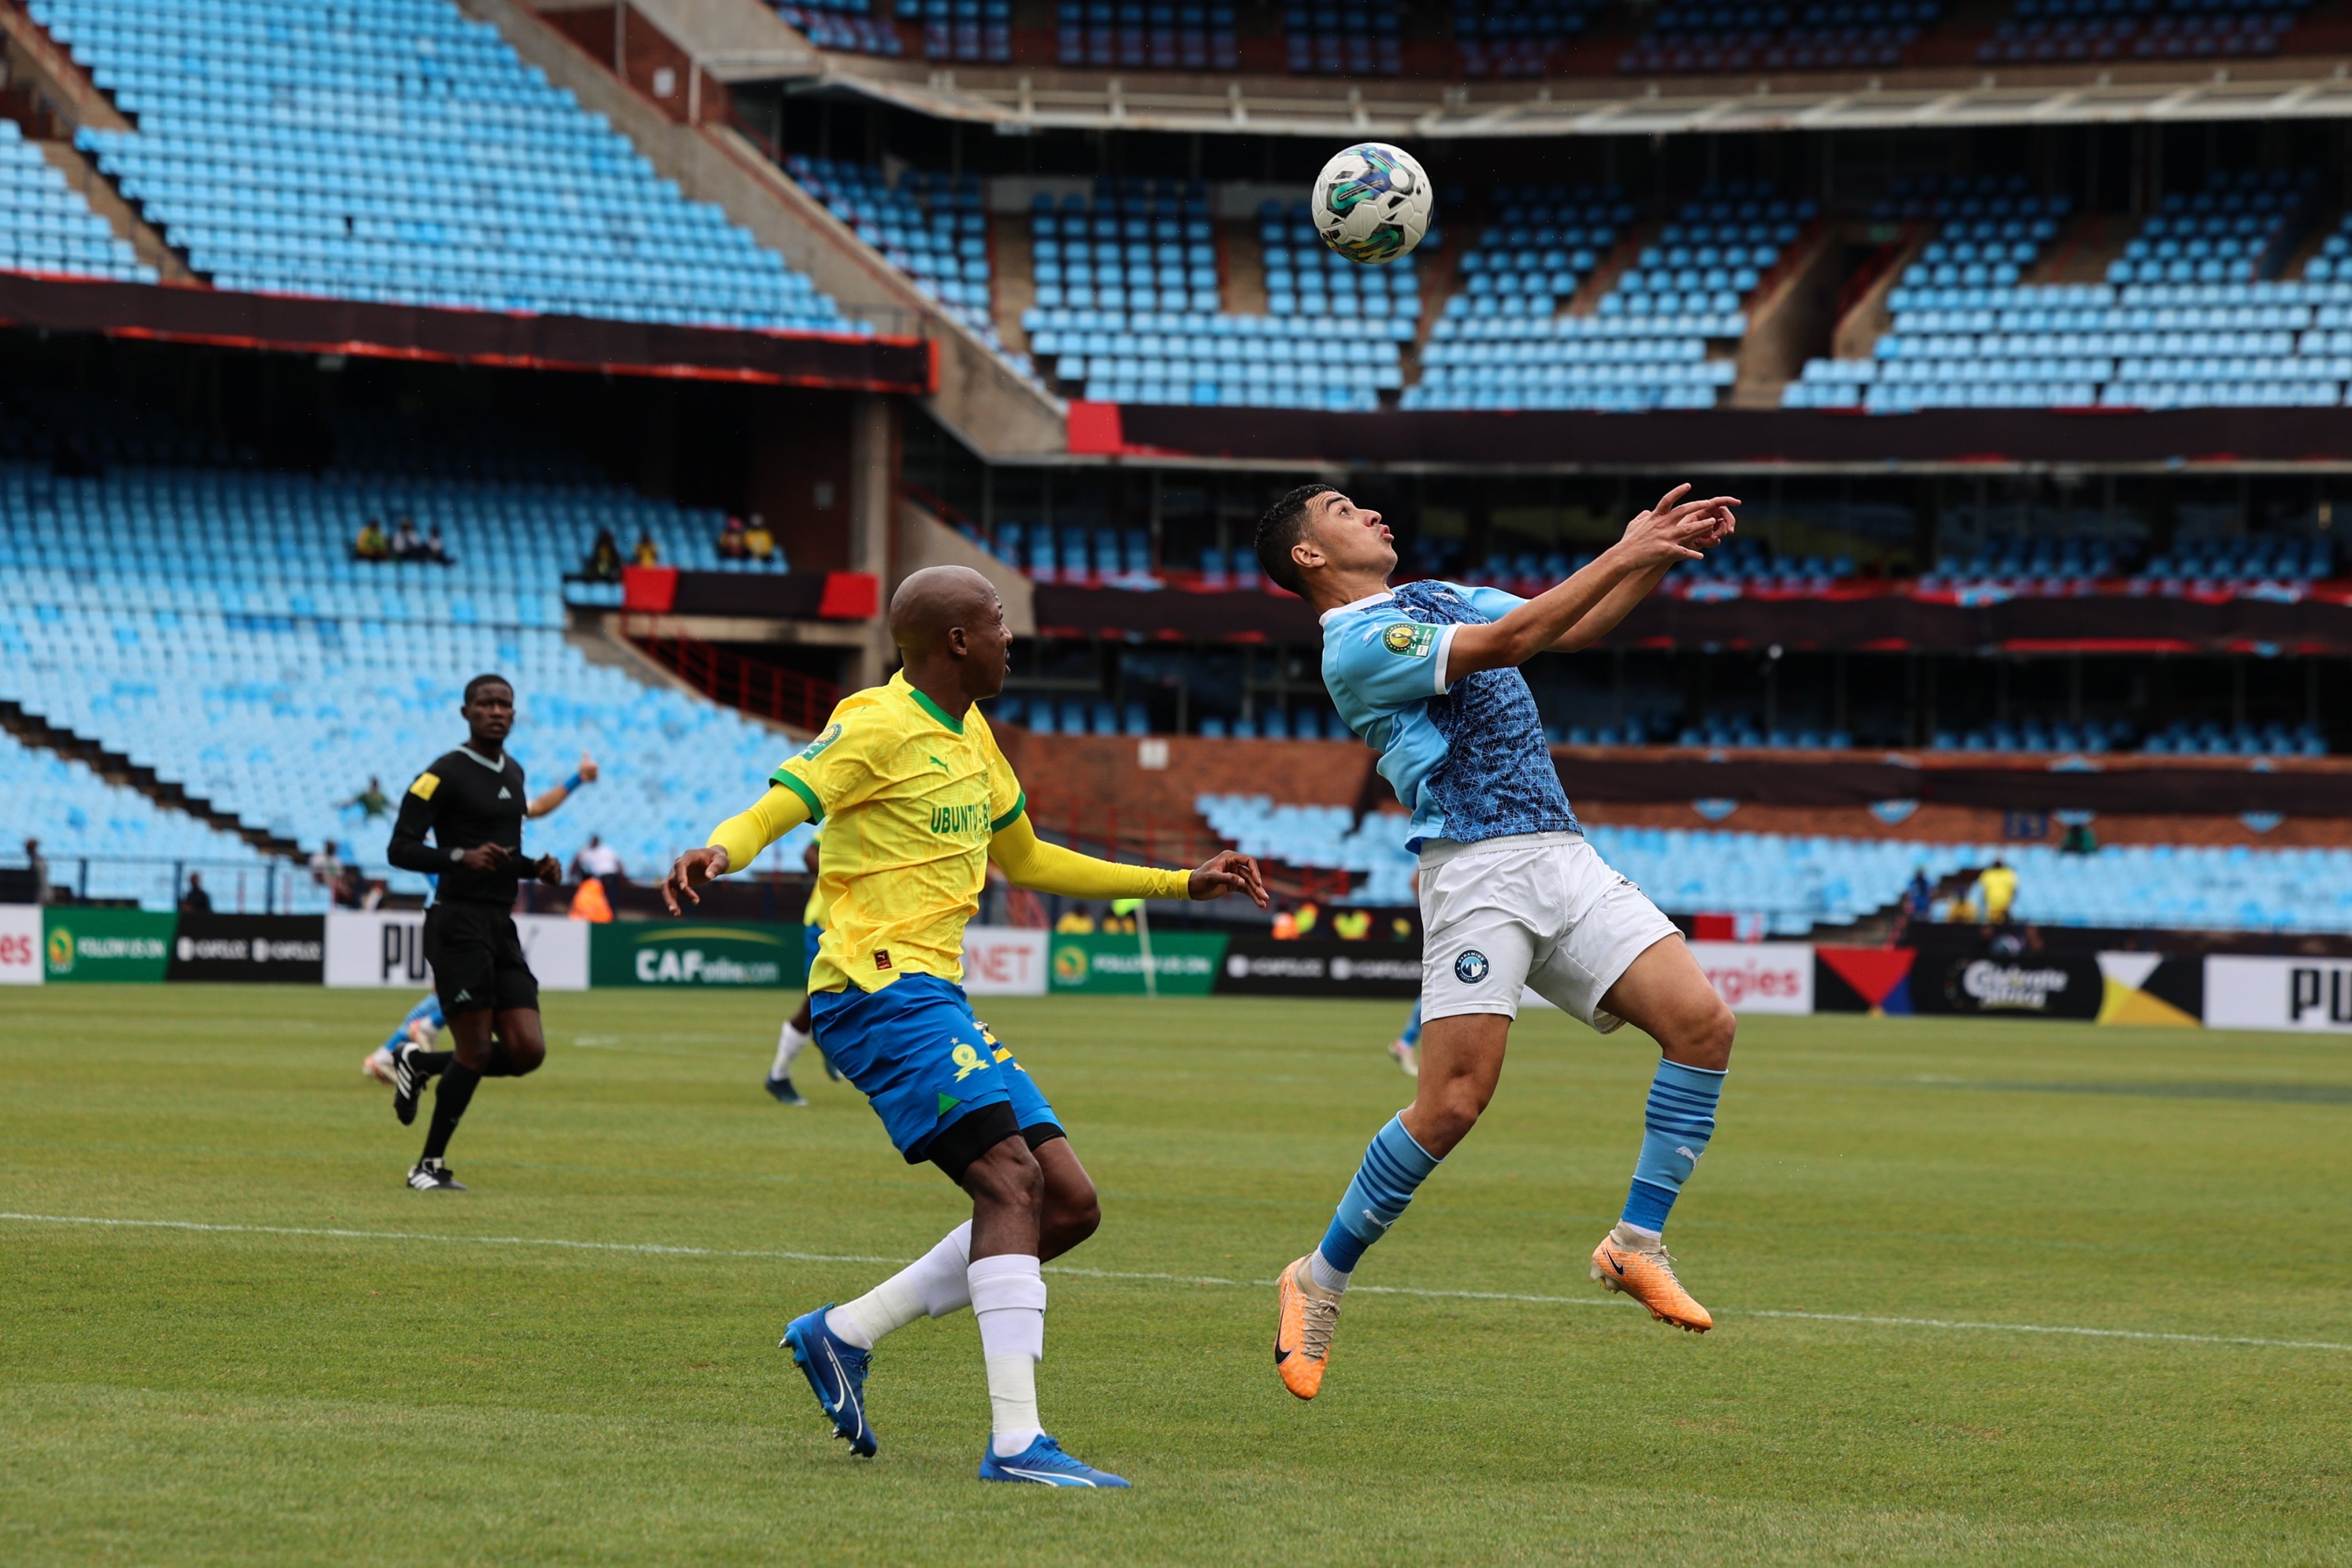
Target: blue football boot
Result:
[[782, 1088], [836, 1370], [1043, 1464]]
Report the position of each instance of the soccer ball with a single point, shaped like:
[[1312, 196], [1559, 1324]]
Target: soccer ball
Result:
[[1372, 203]]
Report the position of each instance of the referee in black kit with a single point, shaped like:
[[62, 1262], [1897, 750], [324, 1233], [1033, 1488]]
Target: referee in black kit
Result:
[[472, 801]]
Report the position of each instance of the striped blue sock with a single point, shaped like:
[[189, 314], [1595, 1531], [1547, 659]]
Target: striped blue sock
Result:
[[1394, 1166], [1679, 1122]]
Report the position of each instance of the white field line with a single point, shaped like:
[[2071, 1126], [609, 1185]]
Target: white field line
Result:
[[1960, 1326]]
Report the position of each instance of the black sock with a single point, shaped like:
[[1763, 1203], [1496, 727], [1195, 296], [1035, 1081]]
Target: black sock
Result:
[[449, 1102], [436, 1061]]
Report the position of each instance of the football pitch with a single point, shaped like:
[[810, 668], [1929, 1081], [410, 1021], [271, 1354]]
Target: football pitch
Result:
[[1997, 1292]]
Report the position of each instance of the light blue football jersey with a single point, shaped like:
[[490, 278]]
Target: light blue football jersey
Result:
[[1467, 758]]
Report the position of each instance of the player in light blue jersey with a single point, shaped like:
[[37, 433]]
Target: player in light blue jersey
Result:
[[1512, 897], [422, 1025], [1406, 1047]]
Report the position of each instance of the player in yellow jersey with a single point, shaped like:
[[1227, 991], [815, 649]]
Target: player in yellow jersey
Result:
[[795, 1035], [916, 800]]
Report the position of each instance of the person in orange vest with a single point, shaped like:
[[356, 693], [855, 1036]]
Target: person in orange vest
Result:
[[1286, 926], [590, 903]]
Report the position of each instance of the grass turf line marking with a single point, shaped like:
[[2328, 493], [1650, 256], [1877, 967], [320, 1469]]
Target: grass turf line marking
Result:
[[661, 1249]]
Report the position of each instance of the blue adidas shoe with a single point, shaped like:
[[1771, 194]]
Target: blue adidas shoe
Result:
[[836, 1370], [1043, 1464], [782, 1088]]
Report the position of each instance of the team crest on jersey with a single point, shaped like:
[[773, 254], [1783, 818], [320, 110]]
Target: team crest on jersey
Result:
[[1408, 639], [824, 738]]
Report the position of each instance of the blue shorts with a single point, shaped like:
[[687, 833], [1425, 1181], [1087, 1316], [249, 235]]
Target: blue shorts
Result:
[[921, 1060]]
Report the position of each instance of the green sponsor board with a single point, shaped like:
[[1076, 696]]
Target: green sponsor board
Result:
[[660, 953], [1183, 962], [85, 946]]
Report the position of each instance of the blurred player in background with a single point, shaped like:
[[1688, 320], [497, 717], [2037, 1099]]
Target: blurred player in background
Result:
[[424, 1021], [795, 1035], [1512, 895], [1406, 1047], [918, 799]]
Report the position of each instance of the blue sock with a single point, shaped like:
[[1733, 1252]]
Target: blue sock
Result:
[[1394, 1166], [1411, 1035], [1679, 1121]]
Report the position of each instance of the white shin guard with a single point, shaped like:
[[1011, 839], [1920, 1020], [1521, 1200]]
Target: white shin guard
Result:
[[1008, 1298]]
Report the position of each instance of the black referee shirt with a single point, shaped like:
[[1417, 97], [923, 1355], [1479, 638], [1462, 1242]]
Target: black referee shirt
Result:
[[464, 800]]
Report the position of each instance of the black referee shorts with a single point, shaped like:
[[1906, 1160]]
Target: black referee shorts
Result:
[[476, 958]]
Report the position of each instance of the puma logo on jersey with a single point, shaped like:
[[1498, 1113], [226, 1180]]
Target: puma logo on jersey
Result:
[[882, 957], [941, 765]]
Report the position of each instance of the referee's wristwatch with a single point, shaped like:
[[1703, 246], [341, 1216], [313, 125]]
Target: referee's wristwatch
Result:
[[456, 855]]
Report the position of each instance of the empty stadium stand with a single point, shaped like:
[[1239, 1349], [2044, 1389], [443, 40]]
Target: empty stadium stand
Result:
[[210, 624], [2041, 31], [846, 25], [396, 151], [1161, 36], [1799, 884], [930, 226], [2192, 314], [46, 226], [1705, 36]]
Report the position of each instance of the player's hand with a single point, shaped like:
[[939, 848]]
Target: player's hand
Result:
[[695, 868], [587, 768], [485, 857], [550, 871], [1676, 529], [1228, 872]]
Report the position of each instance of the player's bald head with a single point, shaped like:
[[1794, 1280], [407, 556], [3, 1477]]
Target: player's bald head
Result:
[[937, 600]]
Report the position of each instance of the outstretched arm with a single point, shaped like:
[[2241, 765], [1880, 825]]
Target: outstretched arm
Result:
[[734, 843], [1032, 863], [1604, 616], [549, 800], [1654, 542]]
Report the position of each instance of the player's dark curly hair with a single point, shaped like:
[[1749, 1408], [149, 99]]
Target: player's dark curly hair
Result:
[[479, 682], [1284, 525]]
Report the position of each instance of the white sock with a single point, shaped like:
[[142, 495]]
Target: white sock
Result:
[[931, 1286], [1008, 1298], [788, 1046], [1320, 1269], [1632, 1235]]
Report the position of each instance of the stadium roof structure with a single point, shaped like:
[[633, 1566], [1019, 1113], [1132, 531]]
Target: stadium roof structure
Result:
[[1015, 100]]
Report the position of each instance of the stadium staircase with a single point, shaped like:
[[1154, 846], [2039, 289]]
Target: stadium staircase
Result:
[[982, 394], [120, 771]]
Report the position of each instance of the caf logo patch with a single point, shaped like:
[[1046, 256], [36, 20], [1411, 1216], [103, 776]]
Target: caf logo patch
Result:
[[1408, 640], [826, 736], [1470, 967]]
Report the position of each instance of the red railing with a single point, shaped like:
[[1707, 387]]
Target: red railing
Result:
[[749, 686]]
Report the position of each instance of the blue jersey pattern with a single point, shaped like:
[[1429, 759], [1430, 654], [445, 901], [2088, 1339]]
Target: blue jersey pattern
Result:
[[429, 1010], [1469, 761]]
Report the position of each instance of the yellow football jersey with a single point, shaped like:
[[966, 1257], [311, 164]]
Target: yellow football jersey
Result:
[[909, 798], [813, 913]]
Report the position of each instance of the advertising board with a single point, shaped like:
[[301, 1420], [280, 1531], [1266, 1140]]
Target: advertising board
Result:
[[269, 949], [1758, 976], [1003, 961], [2303, 994], [20, 945], [2023, 985], [385, 948], [1183, 962], [1261, 966], [85, 947], [666, 953]]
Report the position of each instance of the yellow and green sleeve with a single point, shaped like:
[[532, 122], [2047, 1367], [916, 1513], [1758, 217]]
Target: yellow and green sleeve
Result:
[[769, 818], [1032, 863]]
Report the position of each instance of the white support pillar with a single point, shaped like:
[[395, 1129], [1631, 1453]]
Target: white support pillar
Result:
[[873, 498]]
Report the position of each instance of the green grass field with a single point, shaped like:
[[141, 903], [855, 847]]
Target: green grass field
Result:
[[575, 1362]]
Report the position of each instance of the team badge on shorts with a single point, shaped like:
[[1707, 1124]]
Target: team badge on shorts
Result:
[[1470, 967]]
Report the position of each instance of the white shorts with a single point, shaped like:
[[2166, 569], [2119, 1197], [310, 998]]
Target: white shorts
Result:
[[1533, 911]]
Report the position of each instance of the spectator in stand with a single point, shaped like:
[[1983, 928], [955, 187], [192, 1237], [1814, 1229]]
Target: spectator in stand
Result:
[[604, 557], [1997, 890], [1075, 922], [646, 552], [372, 544], [598, 858], [730, 541], [40, 871], [195, 901], [2078, 840], [327, 869], [1286, 925], [758, 541], [372, 801], [405, 543], [434, 550]]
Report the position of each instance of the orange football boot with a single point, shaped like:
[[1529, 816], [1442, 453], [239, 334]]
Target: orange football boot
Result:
[[1647, 1274], [1302, 1341]]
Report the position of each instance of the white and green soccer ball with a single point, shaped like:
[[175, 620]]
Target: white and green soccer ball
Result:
[[1372, 202]]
